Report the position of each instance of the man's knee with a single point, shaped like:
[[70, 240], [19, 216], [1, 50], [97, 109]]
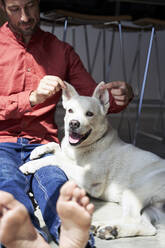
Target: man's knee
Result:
[[51, 172]]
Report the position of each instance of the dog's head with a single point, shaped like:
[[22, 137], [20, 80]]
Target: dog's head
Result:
[[85, 120]]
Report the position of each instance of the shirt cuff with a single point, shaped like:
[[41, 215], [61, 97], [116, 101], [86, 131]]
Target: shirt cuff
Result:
[[24, 105]]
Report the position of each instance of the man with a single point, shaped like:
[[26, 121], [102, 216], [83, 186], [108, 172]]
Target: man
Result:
[[28, 97]]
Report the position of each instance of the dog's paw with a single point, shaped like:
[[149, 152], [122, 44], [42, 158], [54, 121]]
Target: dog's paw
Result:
[[104, 231], [37, 152], [27, 168], [44, 149], [121, 229], [107, 232]]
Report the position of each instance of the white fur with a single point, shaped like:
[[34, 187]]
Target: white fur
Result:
[[107, 167]]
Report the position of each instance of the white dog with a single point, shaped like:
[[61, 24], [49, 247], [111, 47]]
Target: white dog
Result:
[[93, 155]]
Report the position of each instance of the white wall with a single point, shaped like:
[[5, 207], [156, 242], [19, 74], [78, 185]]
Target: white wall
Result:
[[114, 71]]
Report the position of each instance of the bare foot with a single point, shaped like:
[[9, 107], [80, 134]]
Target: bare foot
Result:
[[16, 229], [75, 211]]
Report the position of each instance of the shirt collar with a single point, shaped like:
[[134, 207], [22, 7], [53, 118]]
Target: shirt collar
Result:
[[18, 37]]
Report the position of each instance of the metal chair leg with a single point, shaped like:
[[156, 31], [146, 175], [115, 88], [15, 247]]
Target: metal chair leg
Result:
[[143, 86], [160, 120], [65, 29], [125, 79]]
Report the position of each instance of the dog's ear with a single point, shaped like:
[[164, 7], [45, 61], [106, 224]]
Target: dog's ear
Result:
[[68, 92], [102, 96]]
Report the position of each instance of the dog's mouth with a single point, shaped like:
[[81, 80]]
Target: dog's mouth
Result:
[[76, 139]]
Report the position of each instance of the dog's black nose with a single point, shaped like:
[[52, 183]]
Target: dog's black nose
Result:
[[74, 124]]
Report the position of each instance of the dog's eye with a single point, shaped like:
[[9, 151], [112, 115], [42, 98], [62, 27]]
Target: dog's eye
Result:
[[89, 114], [70, 110]]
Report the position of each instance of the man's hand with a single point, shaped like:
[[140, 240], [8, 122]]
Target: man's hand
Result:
[[121, 91], [47, 87]]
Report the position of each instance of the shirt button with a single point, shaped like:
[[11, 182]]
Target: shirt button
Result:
[[29, 69]]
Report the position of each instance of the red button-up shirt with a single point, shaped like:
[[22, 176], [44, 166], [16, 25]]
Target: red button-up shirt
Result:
[[21, 68]]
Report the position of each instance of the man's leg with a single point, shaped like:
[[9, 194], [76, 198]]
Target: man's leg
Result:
[[75, 212], [16, 228], [46, 186], [12, 180]]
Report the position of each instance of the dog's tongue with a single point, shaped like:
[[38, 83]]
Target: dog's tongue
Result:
[[74, 138]]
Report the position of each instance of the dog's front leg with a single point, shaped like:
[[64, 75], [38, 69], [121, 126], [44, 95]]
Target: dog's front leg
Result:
[[132, 223], [32, 166], [44, 149]]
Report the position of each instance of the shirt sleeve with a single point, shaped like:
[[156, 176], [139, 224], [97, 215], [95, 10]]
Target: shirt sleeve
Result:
[[15, 105], [84, 83]]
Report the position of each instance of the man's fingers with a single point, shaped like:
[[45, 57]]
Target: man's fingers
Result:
[[113, 85], [54, 81], [49, 85], [62, 84], [120, 103], [119, 92], [121, 98]]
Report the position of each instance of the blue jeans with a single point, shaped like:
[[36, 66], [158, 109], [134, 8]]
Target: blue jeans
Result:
[[45, 184]]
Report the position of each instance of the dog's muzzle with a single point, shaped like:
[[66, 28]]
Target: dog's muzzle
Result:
[[74, 137]]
